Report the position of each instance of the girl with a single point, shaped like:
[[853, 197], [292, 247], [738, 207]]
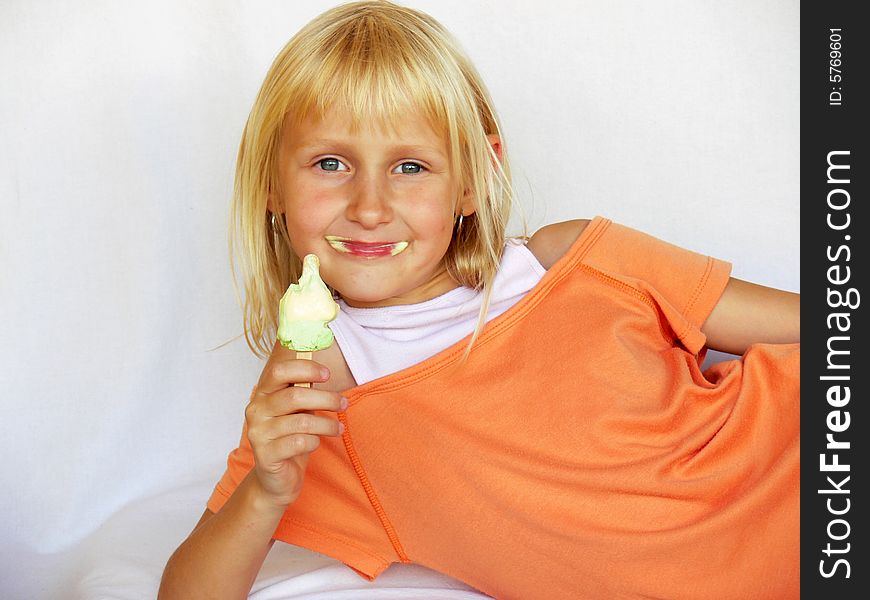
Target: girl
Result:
[[528, 415]]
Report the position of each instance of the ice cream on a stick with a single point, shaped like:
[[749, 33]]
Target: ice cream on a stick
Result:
[[304, 311]]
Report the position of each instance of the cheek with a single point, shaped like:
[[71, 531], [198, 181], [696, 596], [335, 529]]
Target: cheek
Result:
[[309, 210], [432, 211]]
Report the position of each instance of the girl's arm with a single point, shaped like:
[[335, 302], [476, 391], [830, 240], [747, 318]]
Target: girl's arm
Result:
[[748, 313], [223, 554]]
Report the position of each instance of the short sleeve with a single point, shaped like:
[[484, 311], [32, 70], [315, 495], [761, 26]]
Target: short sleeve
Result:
[[689, 283]]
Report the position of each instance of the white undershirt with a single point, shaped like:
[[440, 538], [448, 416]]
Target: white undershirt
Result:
[[380, 341]]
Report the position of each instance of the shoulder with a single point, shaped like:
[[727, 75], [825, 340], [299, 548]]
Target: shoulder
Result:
[[551, 242]]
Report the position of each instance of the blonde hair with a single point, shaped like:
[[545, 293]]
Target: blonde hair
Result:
[[375, 61]]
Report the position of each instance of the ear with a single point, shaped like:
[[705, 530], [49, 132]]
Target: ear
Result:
[[273, 204], [466, 206], [495, 141]]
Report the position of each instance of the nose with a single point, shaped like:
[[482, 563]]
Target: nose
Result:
[[369, 204]]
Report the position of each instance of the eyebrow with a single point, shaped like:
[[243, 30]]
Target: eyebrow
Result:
[[399, 148]]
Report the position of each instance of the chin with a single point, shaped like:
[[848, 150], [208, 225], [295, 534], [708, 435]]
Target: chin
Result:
[[363, 295], [364, 286]]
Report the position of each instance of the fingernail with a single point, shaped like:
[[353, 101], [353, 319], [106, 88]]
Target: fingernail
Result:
[[324, 372], [340, 428], [343, 403]]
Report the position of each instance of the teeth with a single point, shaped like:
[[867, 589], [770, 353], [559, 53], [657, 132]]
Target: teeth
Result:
[[337, 243], [340, 244]]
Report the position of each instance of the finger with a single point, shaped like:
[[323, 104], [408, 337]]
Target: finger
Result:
[[284, 371], [295, 399], [302, 423], [293, 445]]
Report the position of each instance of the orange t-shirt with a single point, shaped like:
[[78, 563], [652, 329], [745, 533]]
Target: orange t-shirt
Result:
[[580, 452]]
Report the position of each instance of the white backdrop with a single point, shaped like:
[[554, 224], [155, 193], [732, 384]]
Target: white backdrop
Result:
[[119, 124]]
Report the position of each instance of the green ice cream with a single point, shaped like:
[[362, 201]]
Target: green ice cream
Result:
[[305, 310]]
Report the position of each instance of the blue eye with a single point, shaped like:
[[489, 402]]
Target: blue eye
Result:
[[410, 168], [331, 164]]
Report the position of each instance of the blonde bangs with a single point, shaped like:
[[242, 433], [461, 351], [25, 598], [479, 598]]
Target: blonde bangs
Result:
[[373, 68], [374, 62]]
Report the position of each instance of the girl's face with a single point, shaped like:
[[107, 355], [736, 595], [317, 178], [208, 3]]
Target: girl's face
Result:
[[376, 207]]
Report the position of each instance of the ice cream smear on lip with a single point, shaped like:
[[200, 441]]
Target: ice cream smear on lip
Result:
[[349, 246], [305, 309]]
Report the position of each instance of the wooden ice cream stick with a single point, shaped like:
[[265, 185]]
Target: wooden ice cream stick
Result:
[[303, 356]]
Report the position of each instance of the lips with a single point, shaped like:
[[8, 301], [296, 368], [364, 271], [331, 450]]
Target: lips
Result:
[[365, 249]]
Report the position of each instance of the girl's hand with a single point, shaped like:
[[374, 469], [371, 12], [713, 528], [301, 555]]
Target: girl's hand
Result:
[[282, 428]]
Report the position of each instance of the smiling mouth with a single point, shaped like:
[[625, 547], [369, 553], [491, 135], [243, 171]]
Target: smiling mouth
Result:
[[365, 249]]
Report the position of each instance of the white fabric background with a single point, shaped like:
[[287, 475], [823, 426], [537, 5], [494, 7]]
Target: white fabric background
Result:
[[119, 124]]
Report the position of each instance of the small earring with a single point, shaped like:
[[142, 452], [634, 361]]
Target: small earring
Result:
[[459, 223]]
